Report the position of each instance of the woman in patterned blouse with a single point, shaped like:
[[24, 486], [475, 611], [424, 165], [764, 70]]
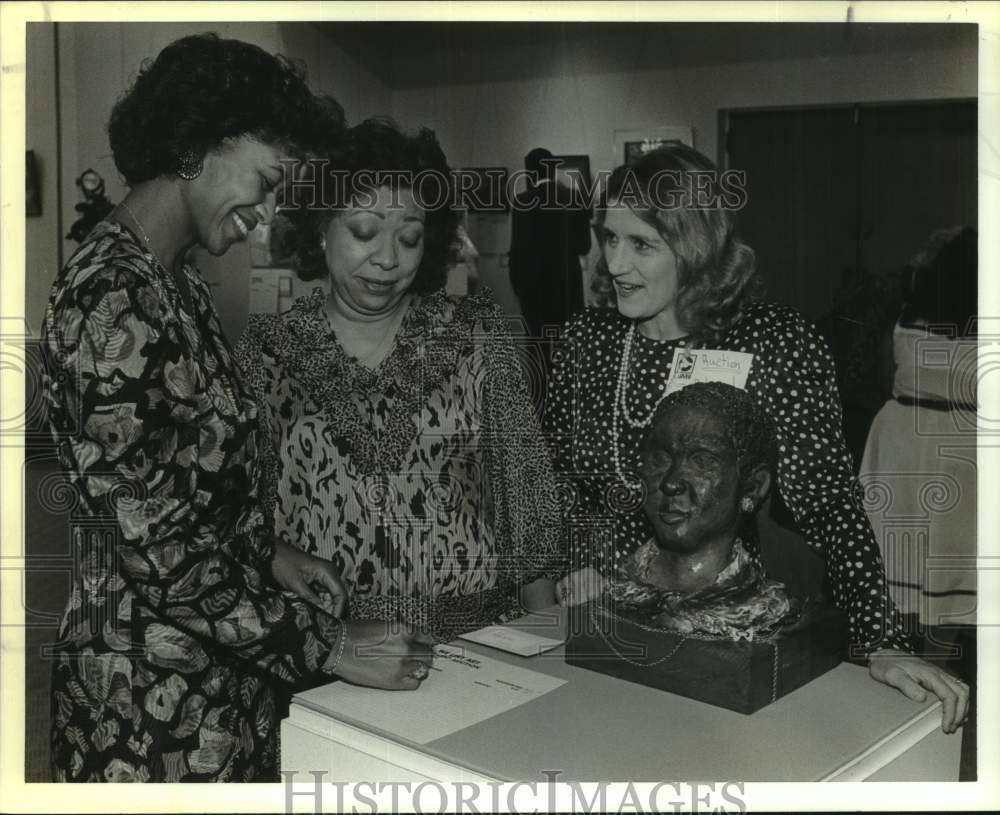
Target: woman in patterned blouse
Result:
[[681, 278], [403, 445], [185, 617]]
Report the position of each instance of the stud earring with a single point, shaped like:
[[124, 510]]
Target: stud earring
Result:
[[189, 166], [747, 505]]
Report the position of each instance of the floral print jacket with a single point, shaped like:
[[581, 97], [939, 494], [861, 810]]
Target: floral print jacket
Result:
[[175, 634]]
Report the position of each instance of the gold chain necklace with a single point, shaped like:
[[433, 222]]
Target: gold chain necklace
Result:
[[139, 226], [179, 282]]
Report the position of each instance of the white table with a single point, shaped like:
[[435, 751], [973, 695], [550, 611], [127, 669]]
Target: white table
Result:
[[841, 727]]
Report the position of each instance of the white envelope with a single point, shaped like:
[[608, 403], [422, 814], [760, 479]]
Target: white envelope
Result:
[[513, 642]]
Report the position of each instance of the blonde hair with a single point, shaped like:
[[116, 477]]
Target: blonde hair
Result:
[[716, 270]]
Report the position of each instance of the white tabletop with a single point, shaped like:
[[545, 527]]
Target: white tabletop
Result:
[[596, 727]]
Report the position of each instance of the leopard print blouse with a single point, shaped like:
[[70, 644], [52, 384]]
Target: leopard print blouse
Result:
[[425, 480]]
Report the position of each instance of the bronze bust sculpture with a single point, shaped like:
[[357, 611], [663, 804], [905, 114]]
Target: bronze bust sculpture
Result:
[[705, 471]]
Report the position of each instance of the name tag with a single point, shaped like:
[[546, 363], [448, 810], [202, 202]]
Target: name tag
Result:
[[707, 365]]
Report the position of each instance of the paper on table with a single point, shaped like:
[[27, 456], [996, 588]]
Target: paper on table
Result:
[[521, 643], [463, 689]]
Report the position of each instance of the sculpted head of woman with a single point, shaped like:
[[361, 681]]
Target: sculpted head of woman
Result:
[[705, 464], [706, 470], [670, 250], [383, 226]]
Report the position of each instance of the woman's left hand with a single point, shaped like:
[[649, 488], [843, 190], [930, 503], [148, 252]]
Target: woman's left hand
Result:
[[914, 677], [311, 578]]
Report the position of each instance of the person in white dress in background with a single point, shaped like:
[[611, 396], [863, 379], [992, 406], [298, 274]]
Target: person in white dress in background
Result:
[[919, 467]]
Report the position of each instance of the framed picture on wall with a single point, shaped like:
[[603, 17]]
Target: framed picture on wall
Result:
[[271, 288], [628, 144]]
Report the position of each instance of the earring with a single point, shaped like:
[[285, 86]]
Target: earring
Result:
[[747, 504], [189, 166], [322, 243]]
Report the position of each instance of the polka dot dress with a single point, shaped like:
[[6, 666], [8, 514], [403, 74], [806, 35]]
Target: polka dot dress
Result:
[[792, 376]]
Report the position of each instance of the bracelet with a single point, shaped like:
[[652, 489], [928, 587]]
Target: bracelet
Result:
[[340, 648]]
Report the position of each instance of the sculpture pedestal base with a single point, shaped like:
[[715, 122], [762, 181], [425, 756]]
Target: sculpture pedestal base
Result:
[[741, 676]]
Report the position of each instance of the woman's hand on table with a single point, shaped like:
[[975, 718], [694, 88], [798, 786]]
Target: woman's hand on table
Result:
[[914, 677], [388, 655], [580, 587], [315, 580]]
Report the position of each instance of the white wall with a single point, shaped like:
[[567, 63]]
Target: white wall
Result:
[[572, 108], [332, 70], [572, 103], [41, 232]]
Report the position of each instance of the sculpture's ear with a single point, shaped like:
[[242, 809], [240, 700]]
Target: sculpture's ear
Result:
[[757, 485]]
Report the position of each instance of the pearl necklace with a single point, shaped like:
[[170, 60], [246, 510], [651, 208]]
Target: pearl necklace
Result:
[[621, 410]]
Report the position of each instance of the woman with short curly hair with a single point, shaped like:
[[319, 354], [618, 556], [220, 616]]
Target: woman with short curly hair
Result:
[[683, 284], [402, 441], [187, 621], [355, 165], [202, 91]]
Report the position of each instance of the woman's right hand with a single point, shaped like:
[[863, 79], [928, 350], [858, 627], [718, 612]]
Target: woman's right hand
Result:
[[388, 655], [313, 579], [580, 587]]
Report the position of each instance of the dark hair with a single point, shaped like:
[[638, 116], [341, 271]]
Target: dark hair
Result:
[[202, 90], [716, 270], [945, 285], [746, 422], [375, 150], [539, 162]]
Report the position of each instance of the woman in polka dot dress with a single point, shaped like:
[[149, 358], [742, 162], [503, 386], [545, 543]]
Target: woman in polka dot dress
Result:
[[680, 277]]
